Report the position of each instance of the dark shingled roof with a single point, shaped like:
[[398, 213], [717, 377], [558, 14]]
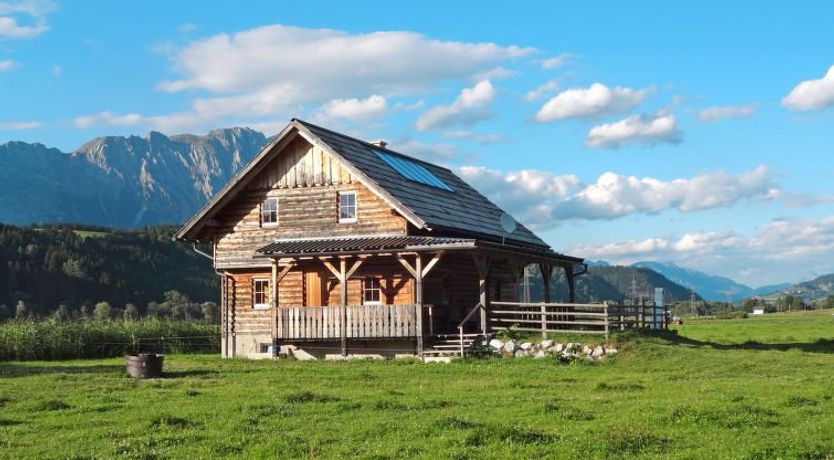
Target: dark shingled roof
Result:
[[462, 210]]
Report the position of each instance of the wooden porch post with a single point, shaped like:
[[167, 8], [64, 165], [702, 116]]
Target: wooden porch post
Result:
[[277, 276], [343, 274], [482, 265], [343, 293], [418, 301], [547, 273], [274, 284], [571, 284]]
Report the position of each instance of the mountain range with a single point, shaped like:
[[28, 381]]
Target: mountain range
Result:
[[116, 181], [710, 287]]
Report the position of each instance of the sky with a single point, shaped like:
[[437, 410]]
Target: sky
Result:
[[624, 131]]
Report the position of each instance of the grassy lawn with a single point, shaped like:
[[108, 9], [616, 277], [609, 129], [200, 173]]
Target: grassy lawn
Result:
[[758, 388]]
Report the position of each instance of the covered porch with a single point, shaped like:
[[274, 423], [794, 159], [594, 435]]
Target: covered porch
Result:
[[446, 300]]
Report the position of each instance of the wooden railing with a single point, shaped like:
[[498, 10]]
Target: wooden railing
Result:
[[565, 318], [576, 318], [363, 321]]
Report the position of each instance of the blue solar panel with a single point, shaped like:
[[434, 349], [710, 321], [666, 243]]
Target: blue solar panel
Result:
[[412, 171]]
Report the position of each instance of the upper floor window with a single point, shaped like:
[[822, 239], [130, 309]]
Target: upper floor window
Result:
[[347, 207], [260, 294], [269, 212], [371, 291]]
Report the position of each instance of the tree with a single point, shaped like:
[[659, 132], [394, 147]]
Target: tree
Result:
[[102, 311], [5, 313], [152, 309], [21, 311], [85, 312], [62, 313], [131, 312], [210, 312]]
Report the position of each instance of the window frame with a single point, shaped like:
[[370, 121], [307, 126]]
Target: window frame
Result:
[[263, 305], [347, 220], [365, 290], [265, 224]]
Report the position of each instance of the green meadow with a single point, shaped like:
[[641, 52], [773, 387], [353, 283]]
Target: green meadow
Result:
[[754, 388]]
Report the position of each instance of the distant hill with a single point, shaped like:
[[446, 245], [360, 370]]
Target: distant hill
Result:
[[610, 283], [710, 287], [114, 181], [818, 288]]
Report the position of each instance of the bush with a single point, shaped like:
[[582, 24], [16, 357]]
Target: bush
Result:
[[27, 339]]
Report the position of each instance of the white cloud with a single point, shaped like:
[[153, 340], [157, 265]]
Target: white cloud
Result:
[[529, 195], [717, 113], [107, 119], [356, 109], [780, 250], [643, 129], [276, 71], [57, 70], [812, 94], [543, 200], [615, 195], [595, 101], [10, 12], [477, 138], [556, 61], [541, 90], [313, 63], [472, 105], [434, 152], [7, 64], [19, 125]]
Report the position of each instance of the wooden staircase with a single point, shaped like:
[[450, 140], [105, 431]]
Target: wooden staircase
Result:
[[448, 345]]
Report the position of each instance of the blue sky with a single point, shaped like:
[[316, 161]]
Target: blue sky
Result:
[[623, 132]]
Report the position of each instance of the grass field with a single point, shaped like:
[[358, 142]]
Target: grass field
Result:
[[756, 388]]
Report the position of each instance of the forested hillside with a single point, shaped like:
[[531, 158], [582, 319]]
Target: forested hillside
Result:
[[48, 266], [611, 283]]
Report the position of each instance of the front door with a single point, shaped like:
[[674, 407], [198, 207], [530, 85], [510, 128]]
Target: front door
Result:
[[315, 285]]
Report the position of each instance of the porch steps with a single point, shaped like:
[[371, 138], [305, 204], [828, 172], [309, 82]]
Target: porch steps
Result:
[[448, 345]]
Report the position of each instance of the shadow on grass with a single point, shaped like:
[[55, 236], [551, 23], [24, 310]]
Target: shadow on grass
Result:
[[21, 370], [819, 346]]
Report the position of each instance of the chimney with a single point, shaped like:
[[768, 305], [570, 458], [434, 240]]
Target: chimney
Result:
[[379, 143]]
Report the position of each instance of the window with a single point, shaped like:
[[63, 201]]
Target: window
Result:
[[260, 294], [347, 207], [371, 291], [269, 212]]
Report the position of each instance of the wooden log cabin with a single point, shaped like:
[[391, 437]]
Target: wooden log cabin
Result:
[[328, 246]]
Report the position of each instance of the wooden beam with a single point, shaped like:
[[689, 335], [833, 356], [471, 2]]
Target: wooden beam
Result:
[[411, 270], [332, 269], [430, 265], [353, 268]]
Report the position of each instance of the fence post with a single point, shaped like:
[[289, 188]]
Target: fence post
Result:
[[544, 321], [606, 320]]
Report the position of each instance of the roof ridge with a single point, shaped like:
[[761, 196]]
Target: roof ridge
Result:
[[372, 146]]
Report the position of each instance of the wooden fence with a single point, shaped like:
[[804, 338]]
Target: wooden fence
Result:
[[363, 321], [575, 318]]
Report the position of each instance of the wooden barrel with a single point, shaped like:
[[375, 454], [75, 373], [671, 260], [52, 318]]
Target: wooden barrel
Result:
[[144, 365]]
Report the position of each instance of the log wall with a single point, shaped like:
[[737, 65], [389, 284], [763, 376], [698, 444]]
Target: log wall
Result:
[[306, 181]]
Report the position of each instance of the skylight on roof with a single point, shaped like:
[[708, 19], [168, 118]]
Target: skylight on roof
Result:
[[412, 170]]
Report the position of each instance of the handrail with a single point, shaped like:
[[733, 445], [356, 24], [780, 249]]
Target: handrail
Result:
[[465, 319]]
